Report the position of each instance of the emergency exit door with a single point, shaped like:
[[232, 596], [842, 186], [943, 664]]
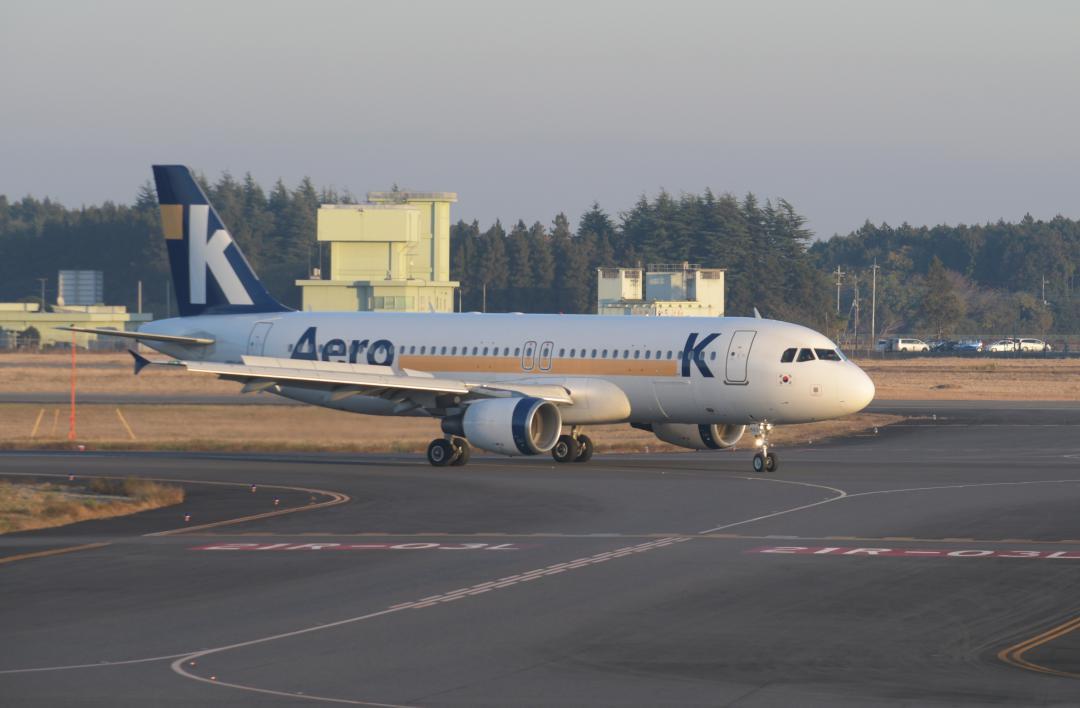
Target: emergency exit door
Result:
[[738, 355]]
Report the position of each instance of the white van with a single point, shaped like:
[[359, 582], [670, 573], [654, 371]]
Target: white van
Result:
[[904, 344]]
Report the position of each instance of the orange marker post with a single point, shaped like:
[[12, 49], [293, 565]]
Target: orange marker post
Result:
[[71, 427]]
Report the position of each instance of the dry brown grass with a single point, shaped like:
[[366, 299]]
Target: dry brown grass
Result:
[[36, 506], [102, 373], [964, 378], [308, 428]]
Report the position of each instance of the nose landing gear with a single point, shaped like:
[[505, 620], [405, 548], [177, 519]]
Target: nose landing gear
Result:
[[764, 461]]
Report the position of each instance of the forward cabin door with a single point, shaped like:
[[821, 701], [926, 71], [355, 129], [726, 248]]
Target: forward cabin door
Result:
[[257, 338], [738, 356]]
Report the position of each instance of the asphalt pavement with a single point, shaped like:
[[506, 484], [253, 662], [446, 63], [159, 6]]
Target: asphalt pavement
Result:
[[936, 562]]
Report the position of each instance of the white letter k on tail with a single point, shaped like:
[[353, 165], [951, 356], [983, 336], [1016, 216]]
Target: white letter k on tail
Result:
[[209, 254]]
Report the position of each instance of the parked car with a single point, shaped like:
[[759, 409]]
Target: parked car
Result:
[[968, 345], [906, 344], [1033, 345], [1003, 345], [940, 345]]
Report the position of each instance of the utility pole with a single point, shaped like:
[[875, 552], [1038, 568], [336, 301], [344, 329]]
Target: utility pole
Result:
[[873, 305], [839, 279], [483, 302], [140, 298], [1044, 290], [855, 304], [42, 281]]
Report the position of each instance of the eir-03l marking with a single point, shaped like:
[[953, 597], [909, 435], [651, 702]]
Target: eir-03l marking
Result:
[[961, 553]]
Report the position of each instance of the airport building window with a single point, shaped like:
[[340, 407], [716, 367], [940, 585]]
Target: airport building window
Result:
[[788, 356], [805, 355]]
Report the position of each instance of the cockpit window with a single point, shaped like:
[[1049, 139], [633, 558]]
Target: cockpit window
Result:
[[788, 356], [828, 354], [805, 355]]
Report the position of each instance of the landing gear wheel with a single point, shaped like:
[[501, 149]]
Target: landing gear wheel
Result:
[[759, 462], [566, 449], [586, 449], [771, 462], [440, 452], [462, 451]]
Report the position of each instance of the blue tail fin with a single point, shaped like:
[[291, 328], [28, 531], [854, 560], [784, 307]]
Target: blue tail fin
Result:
[[210, 274]]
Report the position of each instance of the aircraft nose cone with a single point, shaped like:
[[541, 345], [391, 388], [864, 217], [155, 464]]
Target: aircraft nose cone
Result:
[[860, 391]]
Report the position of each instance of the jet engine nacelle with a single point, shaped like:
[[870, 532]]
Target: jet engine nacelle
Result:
[[511, 426], [699, 437]]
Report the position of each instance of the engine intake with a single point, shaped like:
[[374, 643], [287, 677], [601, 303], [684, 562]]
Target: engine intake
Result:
[[699, 437], [510, 426]]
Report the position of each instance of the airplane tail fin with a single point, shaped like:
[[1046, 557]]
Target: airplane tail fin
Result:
[[210, 274]]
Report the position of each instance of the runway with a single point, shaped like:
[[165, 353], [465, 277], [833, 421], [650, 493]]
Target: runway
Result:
[[936, 562]]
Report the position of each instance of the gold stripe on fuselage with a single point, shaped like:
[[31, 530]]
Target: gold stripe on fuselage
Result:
[[559, 367]]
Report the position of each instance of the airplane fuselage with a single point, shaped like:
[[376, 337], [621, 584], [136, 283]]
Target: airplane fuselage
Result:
[[670, 369]]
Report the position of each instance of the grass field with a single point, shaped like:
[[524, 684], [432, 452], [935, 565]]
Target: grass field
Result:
[[35, 506]]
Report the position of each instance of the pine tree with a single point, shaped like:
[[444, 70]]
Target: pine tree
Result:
[[941, 307]]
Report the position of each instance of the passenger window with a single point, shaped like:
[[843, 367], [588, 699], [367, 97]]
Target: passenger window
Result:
[[648, 354], [806, 355], [827, 354], [614, 353], [637, 354], [603, 354], [517, 351], [474, 350], [668, 354], [485, 351], [625, 353], [453, 351], [593, 353], [712, 356], [562, 353], [443, 352], [788, 356], [423, 349]]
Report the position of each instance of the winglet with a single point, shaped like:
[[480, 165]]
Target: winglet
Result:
[[141, 362], [757, 315]]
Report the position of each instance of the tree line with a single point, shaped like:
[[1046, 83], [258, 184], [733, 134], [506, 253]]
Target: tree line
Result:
[[938, 279], [997, 278]]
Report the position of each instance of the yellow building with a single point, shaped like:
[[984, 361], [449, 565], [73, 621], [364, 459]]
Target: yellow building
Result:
[[670, 290], [17, 317], [390, 254]]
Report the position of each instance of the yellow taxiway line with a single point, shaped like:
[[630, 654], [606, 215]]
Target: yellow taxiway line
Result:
[[1014, 655]]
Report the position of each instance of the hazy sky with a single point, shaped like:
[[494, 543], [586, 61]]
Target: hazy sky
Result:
[[925, 112]]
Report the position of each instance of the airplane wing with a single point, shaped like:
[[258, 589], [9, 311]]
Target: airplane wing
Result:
[[145, 336], [342, 380]]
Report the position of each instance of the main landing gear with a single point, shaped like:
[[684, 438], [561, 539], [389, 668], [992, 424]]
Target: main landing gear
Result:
[[455, 451], [574, 447], [764, 461]]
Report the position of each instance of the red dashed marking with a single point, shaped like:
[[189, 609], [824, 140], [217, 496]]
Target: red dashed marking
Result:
[[914, 553], [360, 547]]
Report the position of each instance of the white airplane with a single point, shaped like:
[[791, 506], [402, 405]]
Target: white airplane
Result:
[[514, 384]]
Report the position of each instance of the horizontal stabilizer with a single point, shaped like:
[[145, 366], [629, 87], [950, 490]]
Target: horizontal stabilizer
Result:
[[144, 336]]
